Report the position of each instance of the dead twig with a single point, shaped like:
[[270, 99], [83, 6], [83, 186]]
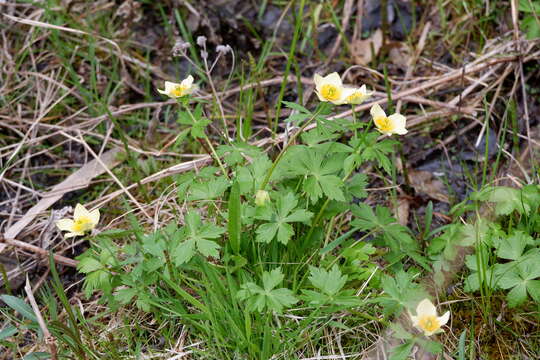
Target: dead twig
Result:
[[39, 251]]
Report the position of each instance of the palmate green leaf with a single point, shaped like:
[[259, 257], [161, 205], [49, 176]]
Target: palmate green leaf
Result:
[[329, 282], [278, 219], [357, 185], [400, 292], [238, 152], [88, 264], [402, 351], [520, 275], [209, 189], [512, 247], [196, 237], [517, 295], [378, 151], [267, 297], [250, 177], [507, 199], [319, 172]]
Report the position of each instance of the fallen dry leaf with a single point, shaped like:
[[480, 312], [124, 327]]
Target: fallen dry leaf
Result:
[[400, 54], [363, 51], [401, 211], [424, 182]]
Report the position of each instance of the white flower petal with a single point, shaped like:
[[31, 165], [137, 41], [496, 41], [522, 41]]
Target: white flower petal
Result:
[[65, 224], [191, 89], [414, 319], [444, 319], [80, 211], [72, 234], [398, 120], [170, 86], [333, 79], [187, 82], [94, 216], [318, 80], [377, 111], [426, 308]]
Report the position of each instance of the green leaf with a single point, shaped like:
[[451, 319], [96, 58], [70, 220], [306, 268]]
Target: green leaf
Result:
[[296, 107], [88, 265], [402, 351], [329, 282], [279, 217], [533, 287], [331, 186], [318, 171], [19, 306], [184, 252], [531, 26], [357, 185], [400, 332], [234, 224], [125, 295], [512, 247], [196, 236], [517, 295], [529, 6], [258, 299], [209, 190], [208, 248], [8, 331], [400, 292], [507, 199], [267, 232]]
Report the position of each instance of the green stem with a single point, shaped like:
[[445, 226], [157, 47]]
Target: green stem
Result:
[[215, 155], [208, 142]]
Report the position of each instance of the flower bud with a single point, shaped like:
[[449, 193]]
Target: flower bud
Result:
[[262, 197]]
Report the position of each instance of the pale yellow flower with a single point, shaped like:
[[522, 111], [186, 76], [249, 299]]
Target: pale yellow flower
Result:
[[175, 90], [261, 197], [355, 96], [388, 125], [83, 221], [426, 318], [329, 88]]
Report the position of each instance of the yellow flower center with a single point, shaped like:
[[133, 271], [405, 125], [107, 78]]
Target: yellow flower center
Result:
[[354, 97], [82, 224], [384, 124], [330, 92], [429, 323], [179, 90]]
